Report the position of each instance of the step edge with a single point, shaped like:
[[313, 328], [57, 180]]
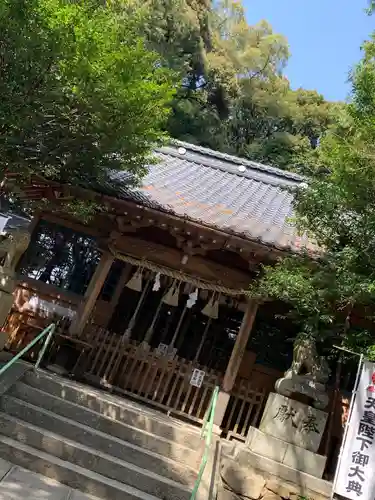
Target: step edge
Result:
[[93, 451], [93, 412], [111, 399], [81, 470], [91, 430]]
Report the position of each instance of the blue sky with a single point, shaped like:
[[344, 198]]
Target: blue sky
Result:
[[324, 38]]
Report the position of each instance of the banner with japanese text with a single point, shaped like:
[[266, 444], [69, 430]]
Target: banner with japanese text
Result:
[[356, 473]]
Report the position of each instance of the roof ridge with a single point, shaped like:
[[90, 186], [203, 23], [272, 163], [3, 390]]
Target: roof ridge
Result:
[[239, 161]]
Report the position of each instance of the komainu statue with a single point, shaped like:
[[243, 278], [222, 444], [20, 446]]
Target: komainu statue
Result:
[[308, 374]]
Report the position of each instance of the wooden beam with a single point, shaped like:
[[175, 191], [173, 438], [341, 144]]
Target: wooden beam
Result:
[[189, 227], [240, 346], [87, 305], [65, 221], [49, 292], [195, 266], [21, 250], [33, 226], [123, 205]]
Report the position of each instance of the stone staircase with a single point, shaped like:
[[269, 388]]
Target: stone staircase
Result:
[[97, 443]]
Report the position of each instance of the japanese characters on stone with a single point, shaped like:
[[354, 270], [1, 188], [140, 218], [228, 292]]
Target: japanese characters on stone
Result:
[[307, 424], [356, 474]]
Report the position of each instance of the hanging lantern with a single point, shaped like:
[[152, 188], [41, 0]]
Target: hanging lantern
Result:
[[211, 309], [171, 297], [135, 282]]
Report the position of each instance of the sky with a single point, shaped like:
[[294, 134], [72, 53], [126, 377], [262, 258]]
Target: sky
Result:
[[324, 38]]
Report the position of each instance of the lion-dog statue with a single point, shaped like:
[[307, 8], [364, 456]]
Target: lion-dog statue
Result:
[[308, 373]]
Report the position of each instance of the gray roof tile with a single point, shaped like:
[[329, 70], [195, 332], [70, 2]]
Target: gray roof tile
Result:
[[231, 194]]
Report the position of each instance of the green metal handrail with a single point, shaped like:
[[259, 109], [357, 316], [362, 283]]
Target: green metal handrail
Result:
[[207, 428], [47, 334]]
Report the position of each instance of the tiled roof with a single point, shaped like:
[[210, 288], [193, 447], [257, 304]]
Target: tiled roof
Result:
[[224, 192]]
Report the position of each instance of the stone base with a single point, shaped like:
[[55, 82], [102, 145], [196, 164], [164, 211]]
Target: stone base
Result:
[[247, 483], [293, 422], [285, 453]]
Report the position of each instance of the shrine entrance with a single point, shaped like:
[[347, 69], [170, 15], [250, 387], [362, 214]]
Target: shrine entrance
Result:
[[171, 383], [167, 342]]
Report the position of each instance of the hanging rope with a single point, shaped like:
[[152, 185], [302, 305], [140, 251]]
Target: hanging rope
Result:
[[178, 275]]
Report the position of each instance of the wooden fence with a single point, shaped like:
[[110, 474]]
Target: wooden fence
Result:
[[244, 409], [149, 375], [157, 378]]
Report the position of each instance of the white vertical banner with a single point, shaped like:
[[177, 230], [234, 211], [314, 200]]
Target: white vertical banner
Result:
[[355, 477]]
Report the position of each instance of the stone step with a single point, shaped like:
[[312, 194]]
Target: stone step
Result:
[[67, 473], [20, 484], [53, 444], [117, 408], [105, 424], [96, 439]]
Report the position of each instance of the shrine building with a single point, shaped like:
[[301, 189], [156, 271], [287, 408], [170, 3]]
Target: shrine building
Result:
[[150, 294]]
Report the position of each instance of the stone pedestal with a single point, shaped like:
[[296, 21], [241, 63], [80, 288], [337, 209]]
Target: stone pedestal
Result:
[[290, 433], [293, 422], [286, 453]]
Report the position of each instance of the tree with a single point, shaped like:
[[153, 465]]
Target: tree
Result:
[[275, 125], [80, 92], [233, 96], [337, 284], [215, 52]]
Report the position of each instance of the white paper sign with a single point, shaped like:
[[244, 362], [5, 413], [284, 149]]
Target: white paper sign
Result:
[[197, 378], [356, 473]]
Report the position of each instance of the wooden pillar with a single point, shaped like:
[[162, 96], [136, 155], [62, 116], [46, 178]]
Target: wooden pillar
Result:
[[31, 229], [117, 292], [87, 305], [33, 226], [235, 361]]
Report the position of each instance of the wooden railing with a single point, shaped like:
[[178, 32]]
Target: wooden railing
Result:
[[24, 322], [148, 375], [244, 409], [22, 327]]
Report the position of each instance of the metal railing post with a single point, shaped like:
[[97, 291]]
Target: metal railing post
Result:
[[47, 331], [207, 427], [44, 347]]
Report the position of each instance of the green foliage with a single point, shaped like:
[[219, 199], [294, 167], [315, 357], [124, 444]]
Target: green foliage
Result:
[[80, 92], [338, 212], [371, 6], [233, 95], [302, 283]]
